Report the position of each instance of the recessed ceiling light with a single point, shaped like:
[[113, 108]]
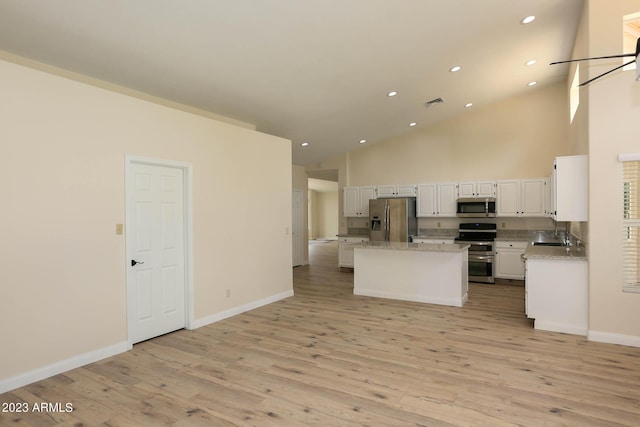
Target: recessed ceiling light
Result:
[[412, 124], [392, 93], [469, 104], [304, 144], [532, 83], [528, 19], [456, 68], [530, 62], [362, 141]]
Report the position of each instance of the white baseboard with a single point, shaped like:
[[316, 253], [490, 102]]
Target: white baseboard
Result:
[[565, 328], [44, 372], [62, 366], [452, 302], [607, 337], [204, 321]]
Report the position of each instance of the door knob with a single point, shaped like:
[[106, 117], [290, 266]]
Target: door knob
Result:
[[134, 262]]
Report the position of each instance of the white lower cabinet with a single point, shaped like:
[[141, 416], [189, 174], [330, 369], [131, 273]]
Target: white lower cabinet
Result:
[[345, 250], [556, 295], [509, 264]]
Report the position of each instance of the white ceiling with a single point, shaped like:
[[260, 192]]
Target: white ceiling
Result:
[[314, 71]]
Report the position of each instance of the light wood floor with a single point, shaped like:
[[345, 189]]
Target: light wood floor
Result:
[[328, 358]]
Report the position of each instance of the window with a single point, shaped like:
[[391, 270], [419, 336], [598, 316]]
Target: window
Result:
[[631, 222], [574, 94], [630, 35]]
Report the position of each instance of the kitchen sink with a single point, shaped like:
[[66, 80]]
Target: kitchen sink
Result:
[[547, 243]]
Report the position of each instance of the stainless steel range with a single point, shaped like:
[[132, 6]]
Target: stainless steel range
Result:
[[481, 238]]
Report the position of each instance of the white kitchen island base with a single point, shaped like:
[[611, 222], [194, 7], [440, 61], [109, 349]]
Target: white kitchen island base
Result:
[[428, 273]]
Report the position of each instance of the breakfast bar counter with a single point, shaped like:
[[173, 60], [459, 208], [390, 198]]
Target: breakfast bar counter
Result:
[[420, 272]]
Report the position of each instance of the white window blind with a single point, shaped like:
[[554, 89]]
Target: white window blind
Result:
[[631, 222]]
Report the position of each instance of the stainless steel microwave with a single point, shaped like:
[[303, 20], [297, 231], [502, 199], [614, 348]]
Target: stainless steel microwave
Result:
[[476, 207]]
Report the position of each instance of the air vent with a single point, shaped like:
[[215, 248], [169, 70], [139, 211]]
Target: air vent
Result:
[[434, 101]]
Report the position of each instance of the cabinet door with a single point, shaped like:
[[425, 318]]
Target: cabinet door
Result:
[[386, 191], [408, 190], [549, 205], [532, 197], [467, 189], [509, 265], [508, 198], [345, 258], [571, 184], [426, 201], [350, 201], [447, 195], [366, 194], [486, 189]]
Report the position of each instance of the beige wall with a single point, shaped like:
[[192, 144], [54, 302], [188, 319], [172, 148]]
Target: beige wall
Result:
[[327, 214], [339, 163], [63, 147], [515, 138], [613, 108], [300, 181], [313, 214]]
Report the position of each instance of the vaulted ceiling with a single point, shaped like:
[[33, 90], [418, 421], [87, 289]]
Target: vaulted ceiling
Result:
[[314, 71]]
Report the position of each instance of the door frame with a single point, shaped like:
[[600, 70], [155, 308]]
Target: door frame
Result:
[[187, 183]]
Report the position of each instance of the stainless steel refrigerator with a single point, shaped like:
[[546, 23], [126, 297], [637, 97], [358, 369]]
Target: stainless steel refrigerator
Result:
[[392, 220]]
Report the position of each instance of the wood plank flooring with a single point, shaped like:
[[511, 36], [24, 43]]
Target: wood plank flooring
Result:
[[328, 358]]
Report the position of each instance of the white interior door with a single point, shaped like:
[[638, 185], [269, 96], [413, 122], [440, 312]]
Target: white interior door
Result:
[[297, 227], [156, 251]]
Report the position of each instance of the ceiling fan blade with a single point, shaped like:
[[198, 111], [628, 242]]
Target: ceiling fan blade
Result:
[[604, 57], [596, 57], [604, 74]]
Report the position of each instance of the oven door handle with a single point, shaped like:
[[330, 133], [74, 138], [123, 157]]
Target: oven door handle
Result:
[[488, 258]]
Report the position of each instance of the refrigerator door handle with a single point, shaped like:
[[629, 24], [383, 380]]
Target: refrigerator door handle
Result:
[[387, 212]]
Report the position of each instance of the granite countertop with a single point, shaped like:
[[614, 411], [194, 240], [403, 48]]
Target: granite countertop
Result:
[[433, 237], [575, 253], [353, 235], [511, 238], [417, 247], [528, 236], [445, 233]]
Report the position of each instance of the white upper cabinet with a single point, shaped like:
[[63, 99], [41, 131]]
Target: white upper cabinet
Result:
[[426, 203], [437, 199], [533, 197], [521, 197], [470, 189], [408, 190], [356, 201], [508, 198], [549, 197], [570, 186], [447, 195]]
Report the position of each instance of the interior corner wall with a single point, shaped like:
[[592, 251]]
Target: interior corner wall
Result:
[[300, 181], [63, 148], [613, 112], [514, 138]]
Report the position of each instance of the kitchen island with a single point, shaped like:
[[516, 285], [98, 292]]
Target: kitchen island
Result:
[[420, 272]]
